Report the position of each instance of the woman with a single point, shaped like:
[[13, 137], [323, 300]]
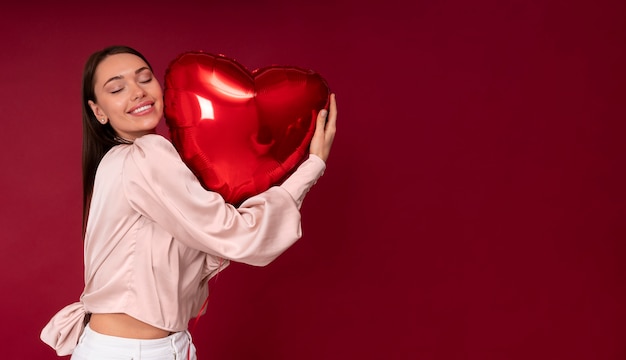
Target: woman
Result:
[[153, 235]]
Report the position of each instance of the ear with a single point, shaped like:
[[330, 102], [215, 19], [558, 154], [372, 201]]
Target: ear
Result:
[[98, 112]]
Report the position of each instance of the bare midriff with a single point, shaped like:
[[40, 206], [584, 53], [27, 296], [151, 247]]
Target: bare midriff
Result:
[[125, 326]]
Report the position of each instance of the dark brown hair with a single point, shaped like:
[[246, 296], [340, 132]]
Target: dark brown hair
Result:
[[97, 138]]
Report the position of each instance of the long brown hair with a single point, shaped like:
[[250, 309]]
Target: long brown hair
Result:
[[97, 138]]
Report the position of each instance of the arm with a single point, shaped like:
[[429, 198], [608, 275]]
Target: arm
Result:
[[322, 141], [161, 187]]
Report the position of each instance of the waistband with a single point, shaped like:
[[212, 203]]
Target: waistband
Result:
[[179, 338]]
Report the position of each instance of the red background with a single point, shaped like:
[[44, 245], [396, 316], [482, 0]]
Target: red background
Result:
[[473, 206]]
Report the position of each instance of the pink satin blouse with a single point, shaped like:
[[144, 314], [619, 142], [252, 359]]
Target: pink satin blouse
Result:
[[155, 236]]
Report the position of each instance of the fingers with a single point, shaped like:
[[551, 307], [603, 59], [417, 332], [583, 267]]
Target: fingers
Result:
[[331, 122], [325, 128], [321, 124]]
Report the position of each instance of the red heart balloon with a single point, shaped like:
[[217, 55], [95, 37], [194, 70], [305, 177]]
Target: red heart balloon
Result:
[[240, 132]]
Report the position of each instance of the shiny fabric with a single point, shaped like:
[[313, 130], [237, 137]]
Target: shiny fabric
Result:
[[155, 236], [241, 131]]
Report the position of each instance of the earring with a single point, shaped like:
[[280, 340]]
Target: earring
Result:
[[103, 121]]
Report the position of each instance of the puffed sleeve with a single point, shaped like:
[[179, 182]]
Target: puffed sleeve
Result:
[[64, 329], [161, 187]]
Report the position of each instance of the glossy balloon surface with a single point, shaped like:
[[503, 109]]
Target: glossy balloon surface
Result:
[[240, 131]]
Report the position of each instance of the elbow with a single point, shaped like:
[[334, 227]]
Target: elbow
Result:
[[259, 259], [260, 263], [264, 254]]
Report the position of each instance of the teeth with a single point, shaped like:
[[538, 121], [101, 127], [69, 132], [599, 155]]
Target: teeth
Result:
[[143, 108]]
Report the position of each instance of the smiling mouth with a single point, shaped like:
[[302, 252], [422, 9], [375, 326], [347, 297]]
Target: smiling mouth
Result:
[[141, 108]]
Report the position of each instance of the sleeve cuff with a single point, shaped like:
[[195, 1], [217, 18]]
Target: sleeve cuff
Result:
[[301, 181]]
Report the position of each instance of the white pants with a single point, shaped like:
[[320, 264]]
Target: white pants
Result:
[[96, 346]]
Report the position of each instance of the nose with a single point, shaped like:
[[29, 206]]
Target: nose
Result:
[[138, 93]]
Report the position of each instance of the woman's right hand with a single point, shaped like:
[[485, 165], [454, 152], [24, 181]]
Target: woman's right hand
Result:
[[325, 129]]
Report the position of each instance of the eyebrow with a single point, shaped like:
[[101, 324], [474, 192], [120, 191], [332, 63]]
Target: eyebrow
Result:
[[120, 77]]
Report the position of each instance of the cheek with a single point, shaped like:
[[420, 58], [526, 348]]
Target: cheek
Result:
[[112, 106], [158, 92]]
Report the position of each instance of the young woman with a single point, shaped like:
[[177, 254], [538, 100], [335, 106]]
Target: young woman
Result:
[[153, 235]]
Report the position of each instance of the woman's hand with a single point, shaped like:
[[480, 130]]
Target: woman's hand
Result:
[[325, 129]]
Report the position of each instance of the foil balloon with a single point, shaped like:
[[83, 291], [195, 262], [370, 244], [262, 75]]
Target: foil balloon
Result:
[[240, 131]]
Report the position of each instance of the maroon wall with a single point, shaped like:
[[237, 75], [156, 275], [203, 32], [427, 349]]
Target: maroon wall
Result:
[[473, 207]]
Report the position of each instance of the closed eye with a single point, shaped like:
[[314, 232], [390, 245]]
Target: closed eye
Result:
[[144, 75]]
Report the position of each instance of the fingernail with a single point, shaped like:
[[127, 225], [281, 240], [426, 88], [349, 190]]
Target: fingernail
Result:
[[323, 112]]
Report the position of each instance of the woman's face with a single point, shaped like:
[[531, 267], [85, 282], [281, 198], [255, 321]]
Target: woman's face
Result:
[[128, 96]]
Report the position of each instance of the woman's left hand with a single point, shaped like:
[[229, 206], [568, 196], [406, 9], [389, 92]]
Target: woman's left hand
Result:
[[325, 129]]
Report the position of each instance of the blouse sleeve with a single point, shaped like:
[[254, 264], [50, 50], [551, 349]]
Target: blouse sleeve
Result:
[[159, 185]]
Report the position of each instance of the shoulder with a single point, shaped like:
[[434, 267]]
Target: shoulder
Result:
[[153, 141], [153, 156], [153, 147], [152, 162]]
